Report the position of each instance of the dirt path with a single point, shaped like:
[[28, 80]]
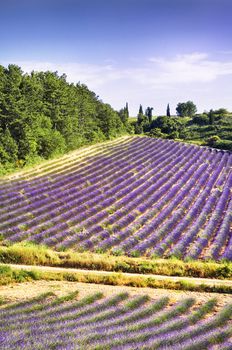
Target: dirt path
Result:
[[206, 281], [27, 290], [23, 291]]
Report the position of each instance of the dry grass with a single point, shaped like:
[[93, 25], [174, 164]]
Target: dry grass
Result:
[[30, 254]]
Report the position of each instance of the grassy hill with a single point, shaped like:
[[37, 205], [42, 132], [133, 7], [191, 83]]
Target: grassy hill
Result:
[[134, 196]]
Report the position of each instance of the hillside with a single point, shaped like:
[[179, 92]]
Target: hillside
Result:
[[42, 115], [133, 196]]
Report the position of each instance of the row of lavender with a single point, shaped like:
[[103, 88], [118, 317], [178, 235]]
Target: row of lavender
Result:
[[117, 322], [139, 197], [50, 168]]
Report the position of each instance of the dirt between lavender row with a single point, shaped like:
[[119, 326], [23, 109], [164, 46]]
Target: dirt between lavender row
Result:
[[22, 291]]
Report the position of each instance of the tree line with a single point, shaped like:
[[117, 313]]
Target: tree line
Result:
[[42, 115], [213, 128], [170, 126]]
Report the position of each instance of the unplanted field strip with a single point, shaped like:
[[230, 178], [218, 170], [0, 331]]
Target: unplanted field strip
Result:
[[16, 292], [196, 281]]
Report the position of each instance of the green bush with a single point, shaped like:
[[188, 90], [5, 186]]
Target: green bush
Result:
[[201, 119], [224, 144], [156, 132], [213, 140]]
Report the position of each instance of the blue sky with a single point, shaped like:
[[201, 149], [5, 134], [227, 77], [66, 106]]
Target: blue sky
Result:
[[151, 52]]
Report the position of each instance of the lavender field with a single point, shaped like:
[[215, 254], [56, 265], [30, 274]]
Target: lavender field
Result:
[[117, 322], [134, 196]]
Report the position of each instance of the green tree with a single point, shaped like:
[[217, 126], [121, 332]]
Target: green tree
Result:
[[221, 111], [168, 114], [41, 114], [186, 109], [109, 121], [124, 114], [201, 119], [166, 125], [140, 109], [142, 123], [141, 118], [8, 148], [211, 117], [148, 113], [127, 111]]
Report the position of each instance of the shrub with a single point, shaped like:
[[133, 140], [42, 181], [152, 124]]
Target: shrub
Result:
[[201, 119], [224, 144], [213, 140]]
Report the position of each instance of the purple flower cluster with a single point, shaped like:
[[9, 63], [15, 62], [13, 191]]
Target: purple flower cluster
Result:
[[140, 195], [121, 321]]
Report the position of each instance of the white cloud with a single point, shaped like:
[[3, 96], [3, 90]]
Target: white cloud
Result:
[[89, 74], [225, 52], [156, 71], [189, 68], [188, 76]]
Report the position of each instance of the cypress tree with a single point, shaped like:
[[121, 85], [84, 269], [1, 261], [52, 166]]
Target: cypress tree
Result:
[[211, 117], [149, 113], [127, 110], [168, 111], [140, 109]]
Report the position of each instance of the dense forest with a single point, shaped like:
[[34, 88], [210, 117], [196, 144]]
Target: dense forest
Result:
[[42, 115]]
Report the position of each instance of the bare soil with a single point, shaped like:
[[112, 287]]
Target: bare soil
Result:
[[23, 291]]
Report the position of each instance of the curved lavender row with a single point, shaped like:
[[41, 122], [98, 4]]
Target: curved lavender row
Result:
[[150, 197], [154, 223], [80, 325], [189, 236], [226, 232], [178, 341], [146, 187], [59, 163], [105, 168], [175, 320], [17, 235], [189, 213], [82, 166], [227, 345], [114, 195], [205, 340], [186, 333], [159, 194], [89, 154], [59, 194], [215, 224], [118, 322], [62, 179], [55, 314], [154, 217]]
